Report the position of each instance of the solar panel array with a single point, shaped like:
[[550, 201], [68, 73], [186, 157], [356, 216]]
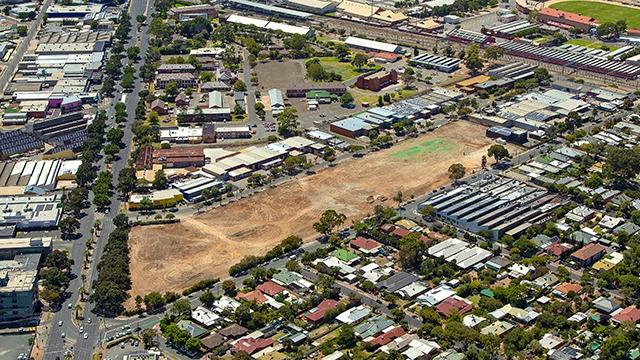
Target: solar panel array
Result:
[[70, 141], [16, 142], [573, 60]]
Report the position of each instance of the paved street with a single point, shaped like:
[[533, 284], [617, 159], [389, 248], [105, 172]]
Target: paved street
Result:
[[73, 339]]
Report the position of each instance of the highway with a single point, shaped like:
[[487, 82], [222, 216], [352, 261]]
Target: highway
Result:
[[73, 340], [7, 74]]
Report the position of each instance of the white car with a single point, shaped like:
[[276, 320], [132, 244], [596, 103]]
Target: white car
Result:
[[89, 321], [81, 329], [60, 323], [69, 306], [62, 335], [86, 336]]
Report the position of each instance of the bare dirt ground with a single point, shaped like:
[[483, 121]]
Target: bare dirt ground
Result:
[[172, 257], [280, 75]]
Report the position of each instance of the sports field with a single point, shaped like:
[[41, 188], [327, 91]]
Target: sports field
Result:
[[601, 11], [172, 257]]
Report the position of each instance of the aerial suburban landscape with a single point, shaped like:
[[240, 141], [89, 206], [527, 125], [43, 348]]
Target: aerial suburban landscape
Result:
[[320, 179]]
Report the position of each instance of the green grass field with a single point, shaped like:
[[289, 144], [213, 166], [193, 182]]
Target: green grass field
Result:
[[429, 147], [344, 69], [602, 12]]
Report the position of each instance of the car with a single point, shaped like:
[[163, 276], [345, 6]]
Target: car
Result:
[[88, 321], [323, 115], [69, 306], [86, 336], [81, 329], [62, 335], [60, 323]]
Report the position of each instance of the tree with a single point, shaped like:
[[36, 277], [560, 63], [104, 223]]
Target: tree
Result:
[[329, 220], [76, 199], [428, 211], [473, 61], [346, 336], [359, 60], [21, 30], [288, 122], [207, 298], [398, 197], [229, 287], [127, 180], [346, 99], [149, 337], [133, 53], [153, 300], [172, 89], [239, 85], [456, 172], [483, 162], [160, 180], [341, 51], [115, 135], [69, 225], [493, 52], [181, 307], [498, 152]]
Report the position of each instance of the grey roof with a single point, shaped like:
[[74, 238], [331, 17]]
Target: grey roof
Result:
[[397, 281]]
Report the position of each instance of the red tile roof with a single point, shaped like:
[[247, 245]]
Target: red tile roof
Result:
[[628, 314], [588, 251], [387, 228], [255, 295], [586, 20], [386, 55], [389, 336], [451, 304], [364, 243], [251, 345], [567, 287], [556, 249], [400, 232], [317, 314], [270, 288]]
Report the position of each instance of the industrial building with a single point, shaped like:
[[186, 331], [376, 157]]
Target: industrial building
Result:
[[572, 60], [469, 37], [511, 135], [270, 9], [565, 20], [203, 115], [192, 189], [371, 45], [377, 80], [192, 11], [495, 204], [18, 286], [159, 199], [10, 247], [461, 253], [30, 212], [440, 63], [270, 25], [302, 89], [42, 174], [276, 100], [511, 29], [312, 6], [179, 157]]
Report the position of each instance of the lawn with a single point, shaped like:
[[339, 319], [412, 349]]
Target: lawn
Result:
[[429, 147], [344, 69], [603, 12], [590, 44]]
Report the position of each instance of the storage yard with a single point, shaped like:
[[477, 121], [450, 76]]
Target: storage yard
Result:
[[203, 246]]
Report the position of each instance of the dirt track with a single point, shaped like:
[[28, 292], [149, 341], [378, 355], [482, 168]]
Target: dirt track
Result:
[[171, 257]]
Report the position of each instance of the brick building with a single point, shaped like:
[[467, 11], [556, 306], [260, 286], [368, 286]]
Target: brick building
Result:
[[377, 81]]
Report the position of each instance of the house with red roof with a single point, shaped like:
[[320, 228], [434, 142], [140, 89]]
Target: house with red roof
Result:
[[365, 245], [563, 289], [557, 249], [452, 304], [251, 345], [255, 295], [387, 337], [316, 315], [400, 232], [628, 314], [270, 288], [588, 254]]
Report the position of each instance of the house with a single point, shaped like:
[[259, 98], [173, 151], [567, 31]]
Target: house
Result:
[[605, 305], [251, 345], [564, 289], [566, 352], [365, 245], [233, 331], [226, 76], [454, 304], [212, 341], [558, 249], [226, 303], [550, 341], [182, 100], [216, 100], [397, 281], [317, 314], [292, 280], [353, 315], [204, 316], [387, 336], [472, 320], [270, 288], [159, 107], [435, 296], [497, 328], [193, 329], [629, 314], [252, 296], [412, 290], [183, 80], [346, 256], [588, 254], [497, 263], [276, 100], [372, 327]]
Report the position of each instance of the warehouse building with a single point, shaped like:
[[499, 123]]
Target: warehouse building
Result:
[[232, 132], [181, 134], [18, 287], [270, 9], [511, 29], [371, 45], [492, 203], [192, 189], [179, 157], [301, 90], [512, 135], [515, 71], [312, 6], [10, 247], [440, 63], [377, 81], [572, 60], [30, 212], [276, 100], [270, 25], [461, 253], [203, 115], [159, 199], [469, 37]]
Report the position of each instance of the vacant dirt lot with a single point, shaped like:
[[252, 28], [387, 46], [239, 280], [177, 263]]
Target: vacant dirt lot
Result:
[[281, 75], [173, 257]]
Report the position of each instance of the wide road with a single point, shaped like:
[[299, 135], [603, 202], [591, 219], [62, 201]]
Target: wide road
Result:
[[73, 339], [7, 74]]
